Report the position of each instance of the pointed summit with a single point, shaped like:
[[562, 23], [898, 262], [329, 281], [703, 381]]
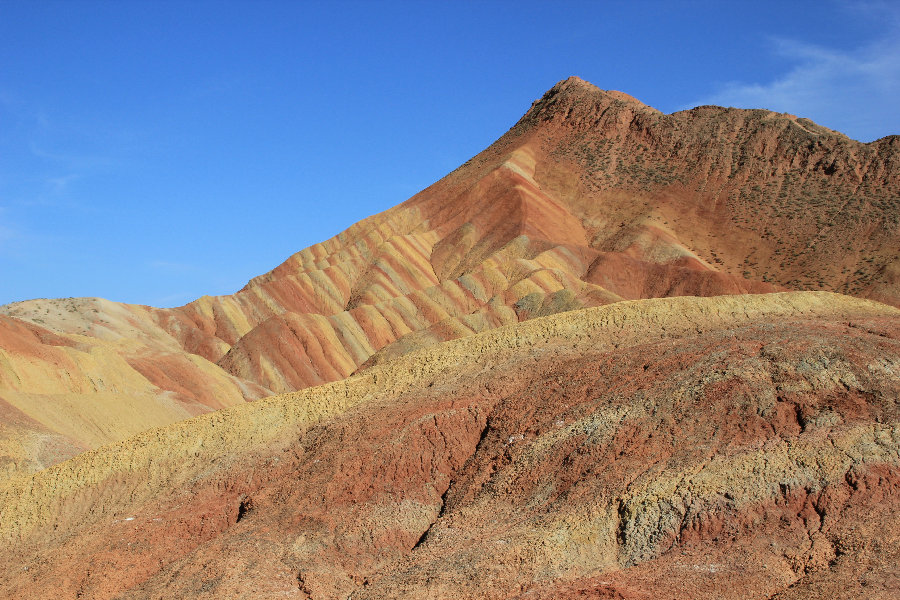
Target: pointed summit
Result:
[[577, 85], [575, 82], [575, 99]]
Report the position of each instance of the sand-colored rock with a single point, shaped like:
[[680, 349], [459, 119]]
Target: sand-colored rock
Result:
[[727, 447]]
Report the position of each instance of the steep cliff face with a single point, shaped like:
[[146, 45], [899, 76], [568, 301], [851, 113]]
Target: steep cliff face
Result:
[[730, 447], [591, 198]]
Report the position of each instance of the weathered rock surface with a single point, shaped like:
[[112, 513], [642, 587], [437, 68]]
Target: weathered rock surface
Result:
[[592, 198], [728, 447]]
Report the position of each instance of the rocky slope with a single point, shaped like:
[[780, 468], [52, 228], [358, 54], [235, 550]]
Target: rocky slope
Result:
[[728, 447], [591, 198], [64, 390]]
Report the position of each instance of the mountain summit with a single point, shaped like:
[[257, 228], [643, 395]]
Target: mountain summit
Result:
[[575, 96]]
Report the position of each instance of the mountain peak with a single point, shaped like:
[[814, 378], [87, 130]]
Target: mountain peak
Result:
[[577, 85], [576, 99], [575, 82]]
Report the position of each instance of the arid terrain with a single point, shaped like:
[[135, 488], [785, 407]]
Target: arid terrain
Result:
[[617, 354]]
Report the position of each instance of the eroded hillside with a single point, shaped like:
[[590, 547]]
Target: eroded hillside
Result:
[[728, 447]]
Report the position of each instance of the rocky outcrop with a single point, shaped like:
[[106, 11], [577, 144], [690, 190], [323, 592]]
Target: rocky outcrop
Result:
[[593, 197]]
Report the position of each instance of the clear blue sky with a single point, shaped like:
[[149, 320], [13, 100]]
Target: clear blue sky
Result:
[[153, 152]]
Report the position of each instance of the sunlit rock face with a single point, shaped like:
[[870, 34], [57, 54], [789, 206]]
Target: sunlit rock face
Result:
[[591, 198]]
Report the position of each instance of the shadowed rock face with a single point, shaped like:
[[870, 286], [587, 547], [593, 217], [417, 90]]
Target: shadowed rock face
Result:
[[730, 447], [592, 198]]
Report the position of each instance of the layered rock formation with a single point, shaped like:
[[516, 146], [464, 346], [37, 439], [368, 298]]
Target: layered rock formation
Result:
[[591, 198], [86, 372], [728, 447]]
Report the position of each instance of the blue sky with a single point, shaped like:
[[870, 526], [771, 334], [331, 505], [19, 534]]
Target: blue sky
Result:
[[153, 152]]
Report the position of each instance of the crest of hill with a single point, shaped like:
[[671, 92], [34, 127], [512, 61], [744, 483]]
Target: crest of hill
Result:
[[574, 99]]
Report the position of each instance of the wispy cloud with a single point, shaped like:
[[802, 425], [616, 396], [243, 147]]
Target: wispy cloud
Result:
[[35, 172], [69, 160], [854, 91], [60, 184]]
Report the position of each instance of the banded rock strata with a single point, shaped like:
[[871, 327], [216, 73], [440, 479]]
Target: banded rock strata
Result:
[[591, 198]]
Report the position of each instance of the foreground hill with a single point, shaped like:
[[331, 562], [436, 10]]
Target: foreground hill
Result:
[[729, 447], [591, 198]]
